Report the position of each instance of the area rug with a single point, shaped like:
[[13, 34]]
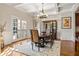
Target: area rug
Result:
[[26, 48]]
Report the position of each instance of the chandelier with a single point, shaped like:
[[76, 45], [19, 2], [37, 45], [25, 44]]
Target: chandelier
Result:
[[42, 14], [59, 8]]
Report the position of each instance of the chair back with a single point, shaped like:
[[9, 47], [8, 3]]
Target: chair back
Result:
[[34, 35]]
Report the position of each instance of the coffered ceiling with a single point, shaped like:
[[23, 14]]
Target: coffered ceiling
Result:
[[35, 8]]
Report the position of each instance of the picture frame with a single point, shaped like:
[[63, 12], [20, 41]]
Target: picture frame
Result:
[[66, 22]]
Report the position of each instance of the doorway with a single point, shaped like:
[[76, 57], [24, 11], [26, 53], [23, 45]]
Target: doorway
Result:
[[77, 33], [51, 28]]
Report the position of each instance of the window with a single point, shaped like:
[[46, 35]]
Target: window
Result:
[[19, 28], [24, 23], [14, 28], [19, 24]]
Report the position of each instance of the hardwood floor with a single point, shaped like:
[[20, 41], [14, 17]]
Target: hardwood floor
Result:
[[9, 49], [67, 48], [14, 52], [11, 52]]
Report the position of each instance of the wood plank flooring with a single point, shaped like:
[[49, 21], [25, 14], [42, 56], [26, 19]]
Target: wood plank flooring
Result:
[[9, 49], [67, 48]]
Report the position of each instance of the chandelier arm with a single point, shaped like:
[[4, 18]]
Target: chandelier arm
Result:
[[42, 14]]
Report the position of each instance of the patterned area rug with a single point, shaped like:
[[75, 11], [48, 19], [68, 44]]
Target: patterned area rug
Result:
[[27, 49]]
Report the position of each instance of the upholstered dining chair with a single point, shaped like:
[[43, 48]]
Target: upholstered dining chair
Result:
[[35, 39]]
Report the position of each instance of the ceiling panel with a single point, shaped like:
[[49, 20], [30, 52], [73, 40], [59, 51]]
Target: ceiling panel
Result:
[[35, 8]]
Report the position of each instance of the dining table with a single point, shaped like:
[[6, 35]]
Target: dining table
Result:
[[44, 37]]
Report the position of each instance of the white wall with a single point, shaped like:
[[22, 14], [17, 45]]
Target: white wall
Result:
[[6, 12], [68, 34], [65, 34]]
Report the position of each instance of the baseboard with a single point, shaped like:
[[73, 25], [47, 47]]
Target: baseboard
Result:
[[17, 40]]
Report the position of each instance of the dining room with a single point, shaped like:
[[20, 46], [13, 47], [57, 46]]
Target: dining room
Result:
[[37, 29]]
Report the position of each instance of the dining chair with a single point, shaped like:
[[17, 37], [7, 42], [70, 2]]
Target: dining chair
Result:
[[35, 40], [49, 39]]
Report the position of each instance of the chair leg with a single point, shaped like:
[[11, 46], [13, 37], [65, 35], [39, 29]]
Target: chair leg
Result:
[[32, 46], [38, 49], [51, 44]]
